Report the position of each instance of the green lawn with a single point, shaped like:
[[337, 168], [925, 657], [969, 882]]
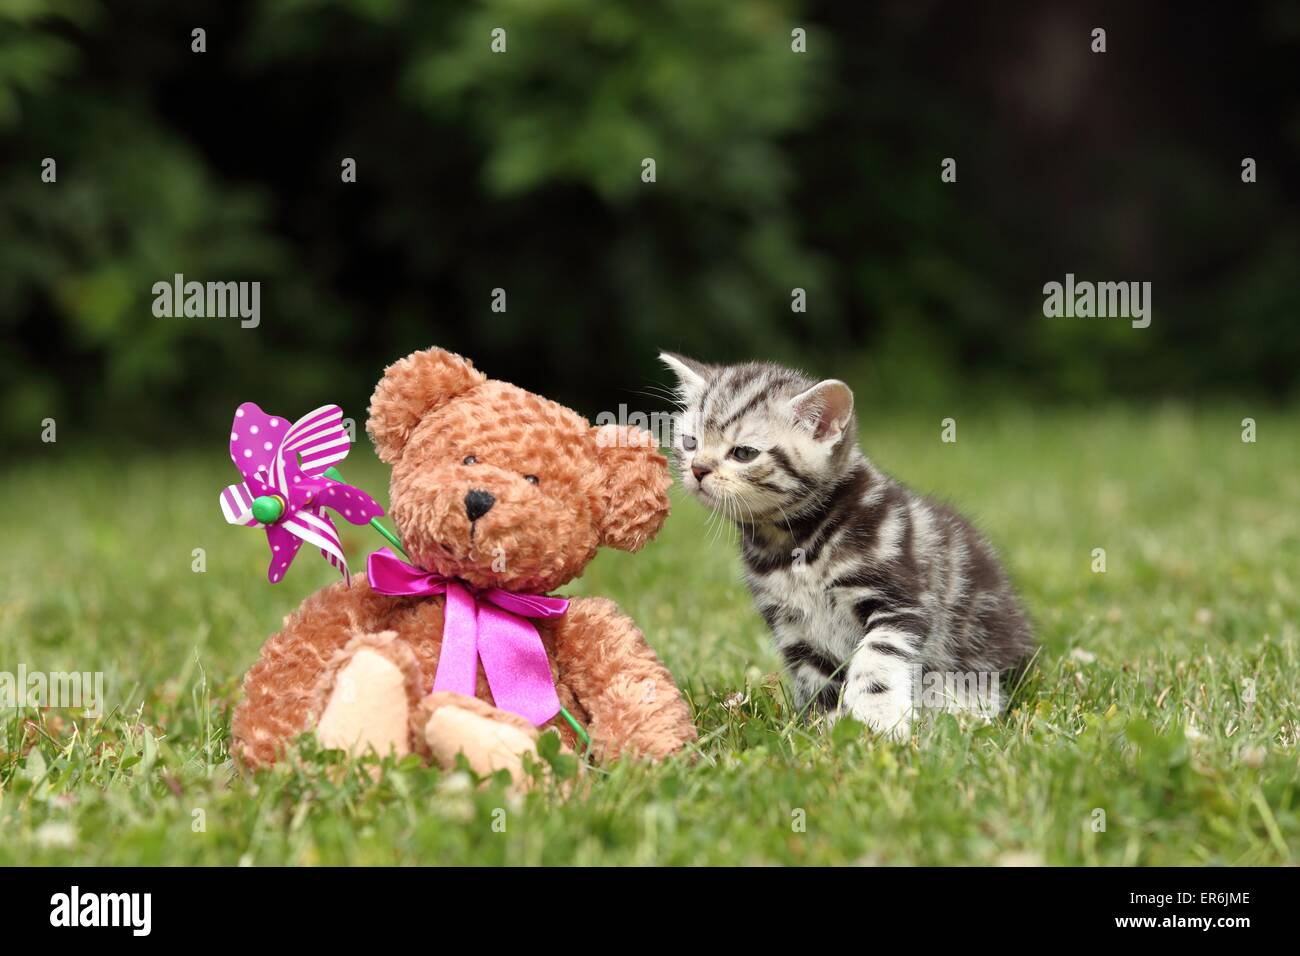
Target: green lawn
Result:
[[1141, 706]]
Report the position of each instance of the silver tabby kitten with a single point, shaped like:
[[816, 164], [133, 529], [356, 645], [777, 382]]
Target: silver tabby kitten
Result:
[[880, 601]]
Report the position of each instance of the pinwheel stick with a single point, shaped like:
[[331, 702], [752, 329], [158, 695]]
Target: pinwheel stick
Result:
[[272, 506], [334, 474]]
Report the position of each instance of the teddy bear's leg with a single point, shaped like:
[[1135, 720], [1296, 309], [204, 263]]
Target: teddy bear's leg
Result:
[[370, 690], [491, 739], [286, 690]]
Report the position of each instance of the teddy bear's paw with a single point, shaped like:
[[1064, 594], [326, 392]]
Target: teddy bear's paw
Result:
[[490, 739], [367, 706]]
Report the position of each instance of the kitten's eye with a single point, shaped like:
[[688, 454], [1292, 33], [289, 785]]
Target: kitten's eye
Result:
[[470, 460], [744, 453], [688, 443], [531, 479]]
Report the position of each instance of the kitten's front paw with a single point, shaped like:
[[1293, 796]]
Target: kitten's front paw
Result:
[[888, 713]]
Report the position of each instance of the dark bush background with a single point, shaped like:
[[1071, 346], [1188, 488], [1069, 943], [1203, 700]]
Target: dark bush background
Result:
[[522, 171]]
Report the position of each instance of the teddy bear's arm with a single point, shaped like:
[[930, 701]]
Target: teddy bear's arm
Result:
[[634, 704]]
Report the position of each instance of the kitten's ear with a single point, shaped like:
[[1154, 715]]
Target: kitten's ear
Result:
[[825, 409], [692, 376]]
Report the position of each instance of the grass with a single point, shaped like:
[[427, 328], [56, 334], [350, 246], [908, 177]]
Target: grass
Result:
[[1164, 698]]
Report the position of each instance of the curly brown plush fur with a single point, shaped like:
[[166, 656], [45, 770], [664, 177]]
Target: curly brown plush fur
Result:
[[356, 665]]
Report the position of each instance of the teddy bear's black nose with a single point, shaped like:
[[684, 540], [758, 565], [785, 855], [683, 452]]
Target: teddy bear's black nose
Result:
[[478, 503]]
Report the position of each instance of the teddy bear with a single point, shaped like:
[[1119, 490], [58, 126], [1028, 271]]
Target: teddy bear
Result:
[[499, 496]]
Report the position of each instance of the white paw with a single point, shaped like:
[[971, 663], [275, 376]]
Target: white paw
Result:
[[888, 713]]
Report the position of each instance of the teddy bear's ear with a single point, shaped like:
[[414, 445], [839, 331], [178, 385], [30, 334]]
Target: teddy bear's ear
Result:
[[636, 482], [410, 389]]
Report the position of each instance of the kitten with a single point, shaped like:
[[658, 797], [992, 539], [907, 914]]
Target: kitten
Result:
[[880, 601]]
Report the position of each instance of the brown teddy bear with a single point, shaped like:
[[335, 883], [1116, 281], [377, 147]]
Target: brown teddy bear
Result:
[[496, 491]]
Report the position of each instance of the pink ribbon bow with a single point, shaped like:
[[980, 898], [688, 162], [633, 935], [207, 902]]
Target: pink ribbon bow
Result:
[[488, 625]]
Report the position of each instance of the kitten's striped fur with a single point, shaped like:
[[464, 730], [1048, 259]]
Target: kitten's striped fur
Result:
[[864, 584]]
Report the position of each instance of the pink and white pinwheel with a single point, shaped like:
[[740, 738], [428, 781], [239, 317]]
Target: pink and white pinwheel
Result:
[[285, 488]]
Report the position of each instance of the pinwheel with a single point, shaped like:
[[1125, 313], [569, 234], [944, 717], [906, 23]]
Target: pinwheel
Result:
[[289, 481]]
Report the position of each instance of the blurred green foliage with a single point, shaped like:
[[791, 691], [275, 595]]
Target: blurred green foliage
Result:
[[522, 171]]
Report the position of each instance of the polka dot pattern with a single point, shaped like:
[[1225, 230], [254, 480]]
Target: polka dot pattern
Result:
[[251, 454], [284, 546]]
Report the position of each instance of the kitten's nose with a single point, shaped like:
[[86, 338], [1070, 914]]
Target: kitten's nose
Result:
[[699, 471], [478, 503]]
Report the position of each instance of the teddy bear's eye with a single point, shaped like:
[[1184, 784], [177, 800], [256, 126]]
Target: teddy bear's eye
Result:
[[531, 479], [470, 460]]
